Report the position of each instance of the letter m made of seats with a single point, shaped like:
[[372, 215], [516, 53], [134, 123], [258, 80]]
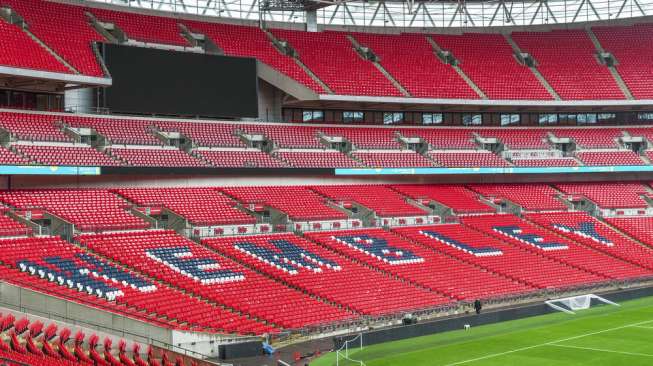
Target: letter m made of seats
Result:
[[287, 256]]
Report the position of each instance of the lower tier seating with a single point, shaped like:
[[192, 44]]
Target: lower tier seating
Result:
[[325, 274], [536, 239], [495, 255], [390, 253], [380, 199], [587, 230], [48, 264], [183, 264]]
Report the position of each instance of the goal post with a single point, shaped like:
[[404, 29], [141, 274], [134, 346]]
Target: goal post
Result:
[[572, 304], [342, 354]]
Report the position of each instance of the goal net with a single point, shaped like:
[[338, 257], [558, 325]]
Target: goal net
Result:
[[343, 353], [572, 304]]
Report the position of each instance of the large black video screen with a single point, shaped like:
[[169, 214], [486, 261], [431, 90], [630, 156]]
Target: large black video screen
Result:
[[154, 81]]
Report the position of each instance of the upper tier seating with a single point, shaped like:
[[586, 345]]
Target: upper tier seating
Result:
[[137, 297], [608, 195], [200, 206], [88, 210], [183, 264], [633, 48], [566, 59], [72, 155], [456, 197], [240, 159], [514, 230], [65, 29], [468, 159], [412, 62], [321, 159], [392, 254], [144, 28], [402, 159], [479, 54], [19, 50], [587, 230], [361, 78], [380, 199], [155, 157], [532, 197], [299, 203], [337, 279], [609, 158], [512, 261], [238, 40]]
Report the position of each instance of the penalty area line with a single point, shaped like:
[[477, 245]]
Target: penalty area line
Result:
[[547, 343]]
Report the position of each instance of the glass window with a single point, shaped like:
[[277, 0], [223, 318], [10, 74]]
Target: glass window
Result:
[[472, 119], [312, 116], [391, 118], [510, 119], [645, 116], [353, 117], [432, 118], [550, 118], [606, 116]]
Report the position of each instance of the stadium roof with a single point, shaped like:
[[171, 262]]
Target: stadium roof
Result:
[[408, 14]]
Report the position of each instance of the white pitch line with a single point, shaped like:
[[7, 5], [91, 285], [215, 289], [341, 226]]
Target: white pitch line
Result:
[[642, 326], [548, 343], [602, 350]]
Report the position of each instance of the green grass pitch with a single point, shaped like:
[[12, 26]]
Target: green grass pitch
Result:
[[605, 335]]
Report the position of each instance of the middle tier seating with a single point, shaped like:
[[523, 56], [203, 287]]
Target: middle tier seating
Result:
[[200, 206], [531, 197], [299, 203], [457, 197], [609, 158], [399, 159], [67, 155], [167, 157], [609, 194], [468, 159], [380, 199], [88, 210]]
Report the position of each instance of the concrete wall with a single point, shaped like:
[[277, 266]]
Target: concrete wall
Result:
[[32, 302]]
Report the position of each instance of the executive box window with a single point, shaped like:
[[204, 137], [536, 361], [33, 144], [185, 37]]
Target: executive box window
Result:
[[645, 116], [312, 116], [510, 119], [586, 119], [432, 118], [548, 119], [606, 117], [472, 119], [353, 117], [392, 118]]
